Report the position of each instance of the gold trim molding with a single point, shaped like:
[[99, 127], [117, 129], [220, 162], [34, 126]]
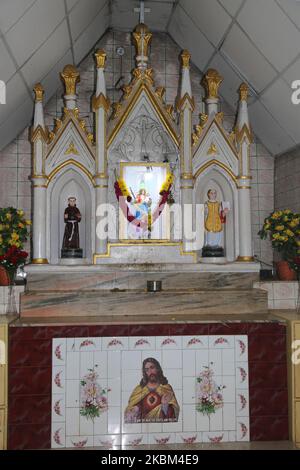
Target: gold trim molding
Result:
[[100, 101], [67, 163], [245, 259], [39, 261]]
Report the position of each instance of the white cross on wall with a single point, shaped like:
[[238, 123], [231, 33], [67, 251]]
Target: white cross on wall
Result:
[[142, 10]]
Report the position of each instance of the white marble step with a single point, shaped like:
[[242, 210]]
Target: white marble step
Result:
[[110, 303]]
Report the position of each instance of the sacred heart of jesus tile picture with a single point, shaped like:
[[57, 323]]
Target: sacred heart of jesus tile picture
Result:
[[108, 392]]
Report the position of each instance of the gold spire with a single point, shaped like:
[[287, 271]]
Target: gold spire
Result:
[[71, 77], [142, 37], [39, 92], [211, 81], [244, 89], [185, 56], [100, 55]]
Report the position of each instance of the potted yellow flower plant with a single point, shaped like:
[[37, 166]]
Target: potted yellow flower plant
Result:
[[283, 229], [13, 235]]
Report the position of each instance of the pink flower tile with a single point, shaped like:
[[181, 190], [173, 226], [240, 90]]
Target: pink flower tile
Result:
[[58, 437], [242, 427]]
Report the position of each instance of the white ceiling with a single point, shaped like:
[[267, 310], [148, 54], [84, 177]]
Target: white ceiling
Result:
[[252, 40]]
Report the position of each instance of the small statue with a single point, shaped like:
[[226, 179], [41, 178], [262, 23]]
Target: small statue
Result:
[[215, 218], [72, 217]]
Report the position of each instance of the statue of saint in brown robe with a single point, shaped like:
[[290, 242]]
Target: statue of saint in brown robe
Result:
[[72, 217]]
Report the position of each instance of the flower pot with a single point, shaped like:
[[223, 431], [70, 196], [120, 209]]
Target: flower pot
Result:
[[4, 277], [284, 272]]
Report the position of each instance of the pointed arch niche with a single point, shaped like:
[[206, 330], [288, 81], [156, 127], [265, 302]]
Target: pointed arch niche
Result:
[[70, 181], [216, 177]]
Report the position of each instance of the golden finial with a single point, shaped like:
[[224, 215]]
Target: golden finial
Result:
[[185, 56], [71, 77], [100, 55], [211, 81], [142, 37], [39, 92], [244, 89]]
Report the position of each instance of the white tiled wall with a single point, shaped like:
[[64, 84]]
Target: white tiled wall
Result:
[[281, 295], [10, 299], [118, 363]]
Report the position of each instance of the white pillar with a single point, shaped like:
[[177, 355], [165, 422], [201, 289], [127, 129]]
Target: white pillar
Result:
[[39, 221], [243, 140], [245, 231], [101, 107], [185, 106], [39, 180]]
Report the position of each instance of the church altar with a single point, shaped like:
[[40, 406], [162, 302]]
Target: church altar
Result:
[[145, 186]]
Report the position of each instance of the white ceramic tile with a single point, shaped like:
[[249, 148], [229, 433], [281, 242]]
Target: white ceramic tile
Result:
[[189, 390], [131, 360], [58, 351], [114, 392], [189, 363], [172, 359], [188, 437], [174, 378], [189, 418], [86, 362], [140, 343], [229, 420], [70, 344], [216, 420], [101, 424], [241, 348], [242, 403], [58, 408], [79, 442], [72, 422], [215, 360], [194, 342], [202, 422], [58, 379], [243, 430], [173, 426], [221, 341], [162, 439], [150, 428], [114, 420], [130, 379], [131, 428], [113, 364], [72, 393], [232, 436], [215, 437], [100, 359], [202, 360], [87, 344], [58, 436], [134, 440], [242, 379], [107, 440], [228, 392], [114, 343], [168, 342], [73, 365]]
